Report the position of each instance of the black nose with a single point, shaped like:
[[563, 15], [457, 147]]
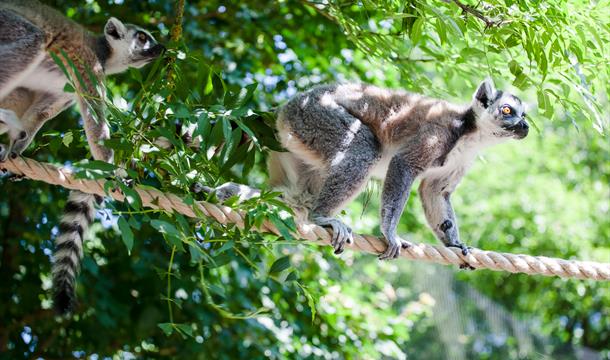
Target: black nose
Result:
[[521, 129], [523, 125], [159, 49]]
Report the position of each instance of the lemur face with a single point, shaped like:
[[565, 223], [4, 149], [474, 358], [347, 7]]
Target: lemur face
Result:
[[130, 45], [502, 113]]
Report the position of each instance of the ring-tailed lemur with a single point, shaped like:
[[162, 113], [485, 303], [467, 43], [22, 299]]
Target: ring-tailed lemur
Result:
[[338, 136], [32, 92]]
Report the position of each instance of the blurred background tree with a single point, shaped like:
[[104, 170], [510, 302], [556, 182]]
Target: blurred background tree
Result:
[[201, 290]]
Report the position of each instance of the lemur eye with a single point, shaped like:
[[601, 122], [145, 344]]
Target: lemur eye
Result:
[[142, 37], [506, 110]]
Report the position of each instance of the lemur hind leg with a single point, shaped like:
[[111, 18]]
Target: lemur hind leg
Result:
[[343, 150], [347, 174], [21, 50], [43, 108], [11, 124], [227, 190], [12, 107]]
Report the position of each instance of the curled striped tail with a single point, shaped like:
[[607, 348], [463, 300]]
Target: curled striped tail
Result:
[[77, 217]]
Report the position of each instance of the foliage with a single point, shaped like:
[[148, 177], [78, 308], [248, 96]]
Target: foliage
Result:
[[156, 284]]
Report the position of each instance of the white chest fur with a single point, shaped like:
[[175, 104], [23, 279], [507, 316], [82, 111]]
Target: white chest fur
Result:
[[46, 78], [460, 157]]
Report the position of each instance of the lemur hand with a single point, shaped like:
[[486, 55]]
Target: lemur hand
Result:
[[394, 245], [342, 234]]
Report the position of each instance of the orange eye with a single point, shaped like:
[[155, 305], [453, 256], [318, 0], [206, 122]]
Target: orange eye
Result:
[[506, 110], [142, 37]]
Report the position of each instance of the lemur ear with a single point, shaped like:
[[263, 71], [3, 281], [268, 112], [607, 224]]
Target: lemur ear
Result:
[[485, 93], [115, 29]]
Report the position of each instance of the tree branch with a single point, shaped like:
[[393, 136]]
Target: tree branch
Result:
[[176, 34], [479, 15], [318, 10], [176, 31]]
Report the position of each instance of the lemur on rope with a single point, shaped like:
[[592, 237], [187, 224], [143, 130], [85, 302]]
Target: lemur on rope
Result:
[[338, 136]]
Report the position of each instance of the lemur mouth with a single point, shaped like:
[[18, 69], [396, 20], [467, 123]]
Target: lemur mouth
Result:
[[520, 129], [154, 51]]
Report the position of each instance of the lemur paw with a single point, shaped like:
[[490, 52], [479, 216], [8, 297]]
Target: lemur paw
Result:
[[465, 251], [16, 177], [121, 176], [342, 233], [198, 187], [467, 266], [393, 250], [6, 153]]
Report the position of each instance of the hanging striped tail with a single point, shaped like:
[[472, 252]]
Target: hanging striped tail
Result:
[[77, 217]]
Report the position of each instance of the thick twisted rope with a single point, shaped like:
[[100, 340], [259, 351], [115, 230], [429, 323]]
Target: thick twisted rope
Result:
[[479, 259]]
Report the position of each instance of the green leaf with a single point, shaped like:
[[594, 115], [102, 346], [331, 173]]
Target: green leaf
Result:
[[416, 30], [165, 228], [67, 139], [126, 233], [441, 30], [292, 276], [96, 165], [167, 328], [131, 196], [226, 246], [68, 88], [170, 233], [61, 64], [181, 112], [209, 86], [186, 329], [310, 301], [226, 129], [280, 265], [75, 70], [135, 74], [281, 226]]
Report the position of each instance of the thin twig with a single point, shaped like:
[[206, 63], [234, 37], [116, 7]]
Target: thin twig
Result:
[[407, 59], [169, 286], [479, 15], [176, 34], [318, 10]]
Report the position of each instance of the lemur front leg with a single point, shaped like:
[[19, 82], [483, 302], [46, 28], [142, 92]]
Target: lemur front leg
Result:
[[396, 189], [435, 195]]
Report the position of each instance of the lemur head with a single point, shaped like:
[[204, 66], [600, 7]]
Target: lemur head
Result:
[[128, 46], [501, 113]]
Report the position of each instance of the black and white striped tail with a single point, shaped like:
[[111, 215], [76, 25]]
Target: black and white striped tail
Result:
[[78, 215]]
